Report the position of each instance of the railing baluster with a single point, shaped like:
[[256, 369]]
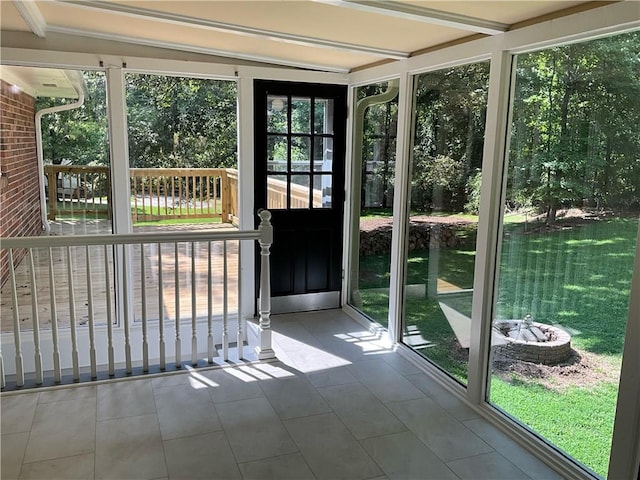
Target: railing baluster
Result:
[[16, 323], [161, 345], [176, 268], [158, 196], [92, 335], [143, 287], [135, 197], [164, 185], [57, 372], [110, 352], [239, 290], [35, 320], [225, 304], [127, 306], [211, 350], [194, 336], [193, 194], [72, 317], [208, 193]]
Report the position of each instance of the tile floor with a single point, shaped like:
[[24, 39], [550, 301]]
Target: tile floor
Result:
[[338, 404]]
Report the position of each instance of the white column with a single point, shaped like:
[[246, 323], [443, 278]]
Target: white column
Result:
[[245, 193], [119, 151], [401, 200], [489, 224], [120, 182]]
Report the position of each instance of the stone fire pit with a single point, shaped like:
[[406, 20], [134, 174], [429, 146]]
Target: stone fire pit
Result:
[[531, 341]]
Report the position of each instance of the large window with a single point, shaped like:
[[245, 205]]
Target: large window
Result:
[[568, 243], [445, 193], [376, 128]]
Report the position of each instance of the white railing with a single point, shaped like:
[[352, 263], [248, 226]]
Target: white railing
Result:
[[98, 306]]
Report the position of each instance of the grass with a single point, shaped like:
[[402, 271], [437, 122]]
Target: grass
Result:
[[578, 278]]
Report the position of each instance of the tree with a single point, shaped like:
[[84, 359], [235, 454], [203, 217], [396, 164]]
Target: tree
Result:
[[574, 134], [77, 136], [449, 135]]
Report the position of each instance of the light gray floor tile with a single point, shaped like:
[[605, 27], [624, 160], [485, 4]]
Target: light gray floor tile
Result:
[[331, 377], [17, 412], [284, 467], [443, 434], [254, 429], [184, 411], [12, 448], [312, 359], [79, 467], [71, 393], [489, 466], [403, 456], [400, 364], [330, 449], [447, 400], [174, 380], [294, 397], [232, 384], [62, 429], [291, 336], [384, 382], [129, 448], [125, 399], [509, 449], [360, 411], [350, 347], [201, 457]]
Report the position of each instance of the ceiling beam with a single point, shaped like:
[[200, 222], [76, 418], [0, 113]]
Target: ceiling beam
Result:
[[194, 49], [32, 16], [177, 19], [422, 14]]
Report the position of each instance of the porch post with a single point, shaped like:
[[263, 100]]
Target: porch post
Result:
[[264, 350]]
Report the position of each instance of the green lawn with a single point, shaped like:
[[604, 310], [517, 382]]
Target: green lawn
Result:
[[576, 277]]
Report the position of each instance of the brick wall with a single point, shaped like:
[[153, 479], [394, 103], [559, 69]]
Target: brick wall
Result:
[[19, 183]]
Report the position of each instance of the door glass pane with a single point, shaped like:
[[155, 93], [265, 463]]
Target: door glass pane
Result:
[[299, 196], [277, 153], [371, 258], [323, 116], [568, 243], [300, 154], [300, 115], [322, 154], [276, 114], [276, 192], [322, 191], [445, 188]]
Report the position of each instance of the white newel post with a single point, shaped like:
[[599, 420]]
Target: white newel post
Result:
[[264, 350]]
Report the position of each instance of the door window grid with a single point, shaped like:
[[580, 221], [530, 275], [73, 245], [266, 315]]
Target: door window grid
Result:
[[299, 157]]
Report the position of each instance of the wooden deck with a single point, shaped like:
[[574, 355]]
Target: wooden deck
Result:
[[177, 296]]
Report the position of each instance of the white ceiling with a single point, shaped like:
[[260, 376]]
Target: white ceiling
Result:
[[330, 35]]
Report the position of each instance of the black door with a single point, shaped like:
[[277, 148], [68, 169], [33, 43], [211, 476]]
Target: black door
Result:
[[300, 131]]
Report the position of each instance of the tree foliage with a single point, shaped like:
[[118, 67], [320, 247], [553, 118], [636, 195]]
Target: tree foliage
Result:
[[181, 122], [77, 136], [172, 122], [449, 132], [575, 138]]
